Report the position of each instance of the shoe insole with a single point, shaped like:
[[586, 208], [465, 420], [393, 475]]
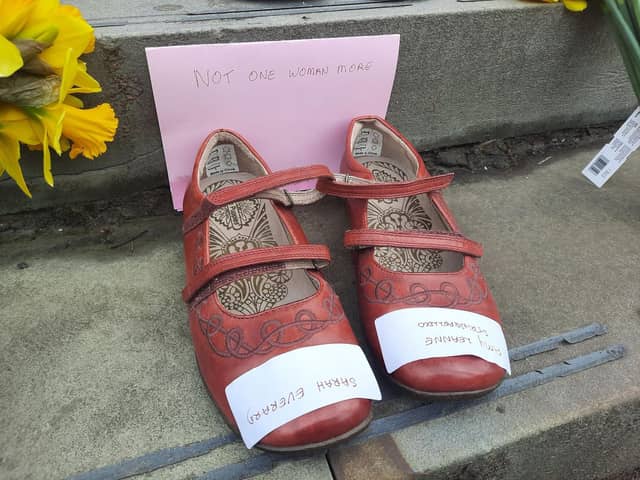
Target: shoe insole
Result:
[[244, 225], [408, 213]]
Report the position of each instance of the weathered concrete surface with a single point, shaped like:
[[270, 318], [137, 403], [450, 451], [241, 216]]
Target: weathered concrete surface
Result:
[[467, 72], [558, 254], [96, 363]]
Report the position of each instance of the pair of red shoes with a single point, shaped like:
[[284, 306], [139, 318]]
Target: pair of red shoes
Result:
[[263, 318]]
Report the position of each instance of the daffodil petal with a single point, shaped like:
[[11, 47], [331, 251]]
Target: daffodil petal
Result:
[[47, 122], [45, 33], [73, 101], [83, 82], [17, 124], [575, 5], [14, 14], [10, 58], [46, 161], [74, 33], [75, 12], [42, 10], [9, 113], [68, 74], [89, 129], [10, 161], [65, 144], [54, 130]]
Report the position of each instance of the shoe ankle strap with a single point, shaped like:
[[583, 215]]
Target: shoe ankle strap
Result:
[[285, 257], [347, 186], [449, 241], [261, 187]]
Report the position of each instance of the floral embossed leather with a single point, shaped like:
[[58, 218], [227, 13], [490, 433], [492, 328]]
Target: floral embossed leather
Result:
[[409, 252], [253, 286]]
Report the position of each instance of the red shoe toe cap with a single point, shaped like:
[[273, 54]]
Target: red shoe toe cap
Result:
[[460, 374], [326, 424]]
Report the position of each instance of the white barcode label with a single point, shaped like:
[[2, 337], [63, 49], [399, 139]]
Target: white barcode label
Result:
[[599, 164], [629, 132], [608, 160]]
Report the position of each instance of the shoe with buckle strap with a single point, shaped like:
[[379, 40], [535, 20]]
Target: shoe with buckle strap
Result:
[[254, 288], [412, 260]]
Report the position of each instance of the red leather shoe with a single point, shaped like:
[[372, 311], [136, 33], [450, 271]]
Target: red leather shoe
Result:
[[253, 287], [411, 257]]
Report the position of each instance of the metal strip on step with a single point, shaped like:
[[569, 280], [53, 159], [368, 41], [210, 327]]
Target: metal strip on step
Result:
[[159, 459], [213, 14], [391, 391], [551, 343], [286, 5], [510, 386], [170, 456], [382, 426], [263, 463]]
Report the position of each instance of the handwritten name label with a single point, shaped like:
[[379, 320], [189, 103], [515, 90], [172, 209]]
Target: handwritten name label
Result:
[[273, 406], [298, 382], [212, 77], [337, 383], [411, 334]]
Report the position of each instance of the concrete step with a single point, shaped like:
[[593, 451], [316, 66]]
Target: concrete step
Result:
[[99, 380], [467, 72]]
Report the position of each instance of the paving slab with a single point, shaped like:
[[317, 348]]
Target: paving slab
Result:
[[96, 363]]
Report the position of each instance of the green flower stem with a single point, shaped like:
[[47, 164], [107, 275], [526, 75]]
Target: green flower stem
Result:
[[628, 43], [633, 19], [634, 8], [632, 70], [626, 14]]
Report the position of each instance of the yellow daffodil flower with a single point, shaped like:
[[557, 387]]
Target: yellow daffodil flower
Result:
[[87, 129], [13, 16], [575, 5], [40, 74], [9, 160], [73, 32], [571, 5], [10, 58], [15, 128]]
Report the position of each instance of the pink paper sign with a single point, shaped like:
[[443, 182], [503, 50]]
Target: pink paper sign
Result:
[[292, 100]]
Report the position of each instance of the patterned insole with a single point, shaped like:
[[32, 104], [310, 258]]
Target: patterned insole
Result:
[[248, 224], [407, 213]]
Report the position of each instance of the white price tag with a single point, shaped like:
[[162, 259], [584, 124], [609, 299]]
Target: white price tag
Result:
[[608, 160], [411, 334], [629, 132], [298, 382]]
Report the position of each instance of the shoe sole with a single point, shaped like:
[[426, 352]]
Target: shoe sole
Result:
[[463, 395], [306, 448]]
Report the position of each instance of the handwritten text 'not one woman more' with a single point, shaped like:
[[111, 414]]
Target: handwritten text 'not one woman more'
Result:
[[207, 77]]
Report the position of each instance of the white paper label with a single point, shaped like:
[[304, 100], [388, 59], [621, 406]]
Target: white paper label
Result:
[[298, 382], [411, 334], [222, 159], [368, 143], [608, 160]]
